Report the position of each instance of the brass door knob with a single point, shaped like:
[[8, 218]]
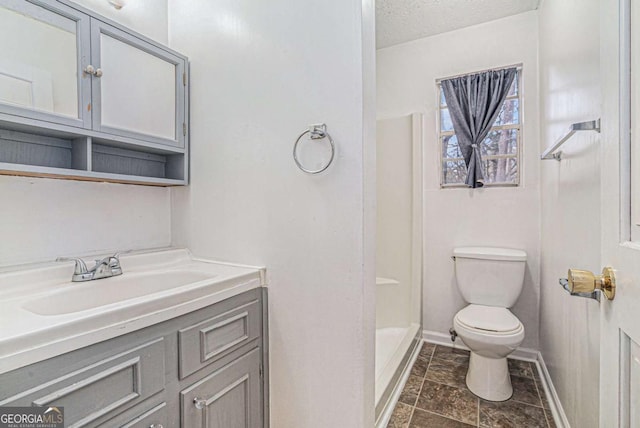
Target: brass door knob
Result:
[[584, 281]]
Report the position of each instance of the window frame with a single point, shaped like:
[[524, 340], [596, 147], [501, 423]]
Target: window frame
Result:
[[441, 134]]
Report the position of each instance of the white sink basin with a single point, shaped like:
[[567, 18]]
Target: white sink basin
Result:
[[43, 313], [81, 296]]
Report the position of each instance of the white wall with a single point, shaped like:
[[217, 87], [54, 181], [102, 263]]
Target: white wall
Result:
[[455, 217], [570, 92], [42, 219], [260, 74], [148, 17]]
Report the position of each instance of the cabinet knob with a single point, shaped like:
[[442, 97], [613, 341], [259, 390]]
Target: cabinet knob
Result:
[[199, 403], [90, 69]]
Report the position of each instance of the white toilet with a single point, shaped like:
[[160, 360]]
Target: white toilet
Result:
[[490, 280]]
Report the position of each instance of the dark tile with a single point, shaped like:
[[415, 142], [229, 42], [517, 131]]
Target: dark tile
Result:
[[401, 416], [451, 354], [525, 390], [520, 368], [508, 414], [448, 401], [419, 367], [426, 351], [447, 372], [411, 390], [422, 419], [536, 373]]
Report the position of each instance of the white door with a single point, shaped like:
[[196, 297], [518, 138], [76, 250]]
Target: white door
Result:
[[620, 208]]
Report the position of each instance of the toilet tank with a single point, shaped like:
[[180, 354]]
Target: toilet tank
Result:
[[490, 276]]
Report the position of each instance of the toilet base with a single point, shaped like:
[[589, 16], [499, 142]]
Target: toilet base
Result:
[[488, 378]]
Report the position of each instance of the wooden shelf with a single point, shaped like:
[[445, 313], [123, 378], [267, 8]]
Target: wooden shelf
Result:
[[73, 174]]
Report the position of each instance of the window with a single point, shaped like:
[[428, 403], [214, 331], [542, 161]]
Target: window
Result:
[[500, 150]]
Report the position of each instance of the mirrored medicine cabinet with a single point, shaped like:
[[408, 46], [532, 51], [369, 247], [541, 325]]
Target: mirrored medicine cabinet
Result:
[[82, 97]]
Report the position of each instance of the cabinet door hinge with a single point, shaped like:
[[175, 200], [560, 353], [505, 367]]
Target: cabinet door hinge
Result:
[[184, 129], [184, 78]]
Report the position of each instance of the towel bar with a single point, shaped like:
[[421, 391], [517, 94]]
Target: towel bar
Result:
[[550, 153]]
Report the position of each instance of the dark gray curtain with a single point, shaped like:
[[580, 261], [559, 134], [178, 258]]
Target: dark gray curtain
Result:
[[474, 102]]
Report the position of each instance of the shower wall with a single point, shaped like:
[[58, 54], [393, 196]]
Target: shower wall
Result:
[[394, 221], [398, 251]]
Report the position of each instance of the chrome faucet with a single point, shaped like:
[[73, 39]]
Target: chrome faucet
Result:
[[104, 268]]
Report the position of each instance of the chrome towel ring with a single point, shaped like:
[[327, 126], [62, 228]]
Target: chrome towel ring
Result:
[[316, 132]]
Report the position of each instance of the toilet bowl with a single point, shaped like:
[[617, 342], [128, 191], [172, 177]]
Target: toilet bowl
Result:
[[490, 280], [491, 333]]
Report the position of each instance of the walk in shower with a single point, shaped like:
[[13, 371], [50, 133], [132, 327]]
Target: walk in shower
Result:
[[398, 251]]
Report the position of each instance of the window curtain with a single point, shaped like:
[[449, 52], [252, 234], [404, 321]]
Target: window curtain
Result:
[[474, 102]]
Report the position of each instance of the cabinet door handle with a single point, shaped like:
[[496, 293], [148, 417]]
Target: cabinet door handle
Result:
[[156, 426], [200, 403]]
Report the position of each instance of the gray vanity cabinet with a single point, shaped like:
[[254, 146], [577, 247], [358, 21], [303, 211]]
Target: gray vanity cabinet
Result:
[[135, 381]]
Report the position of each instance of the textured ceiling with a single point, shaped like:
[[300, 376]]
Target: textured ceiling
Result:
[[399, 21]]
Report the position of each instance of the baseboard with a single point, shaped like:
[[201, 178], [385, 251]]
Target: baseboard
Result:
[[526, 354], [443, 339], [385, 415], [559, 416]]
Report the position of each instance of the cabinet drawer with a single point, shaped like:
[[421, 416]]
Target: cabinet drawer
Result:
[[207, 341], [156, 418], [101, 390]]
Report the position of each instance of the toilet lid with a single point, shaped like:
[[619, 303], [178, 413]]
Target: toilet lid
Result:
[[489, 318]]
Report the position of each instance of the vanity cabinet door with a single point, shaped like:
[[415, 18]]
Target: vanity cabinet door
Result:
[[45, 46], [138, 88], [228, 398]]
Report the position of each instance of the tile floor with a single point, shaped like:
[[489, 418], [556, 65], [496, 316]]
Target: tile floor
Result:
[[436, 395]]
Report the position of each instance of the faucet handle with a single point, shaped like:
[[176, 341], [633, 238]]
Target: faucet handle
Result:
[[111, 261], [81, 266], [114, 260]]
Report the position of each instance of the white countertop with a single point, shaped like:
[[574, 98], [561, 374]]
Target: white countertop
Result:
[[36, 323]]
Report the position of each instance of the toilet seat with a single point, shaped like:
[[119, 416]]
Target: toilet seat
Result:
[[489, 320]]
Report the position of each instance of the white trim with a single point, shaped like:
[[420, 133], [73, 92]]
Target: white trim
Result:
[[559, 416], [441, 339], [625, 124], [385, 415], [526, 354], [444, 339], [632, 245]]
